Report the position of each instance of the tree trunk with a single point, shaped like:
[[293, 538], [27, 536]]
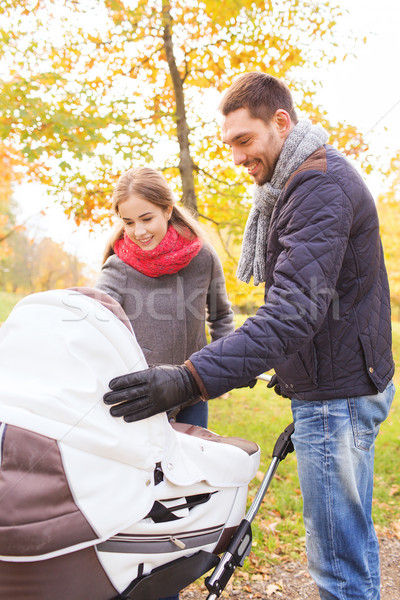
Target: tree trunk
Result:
[[186, 166]]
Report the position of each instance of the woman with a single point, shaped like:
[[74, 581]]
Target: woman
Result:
[[166, 277]]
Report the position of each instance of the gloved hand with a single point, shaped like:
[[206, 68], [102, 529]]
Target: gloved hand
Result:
[[146, 393], [250, 384], [273, 383]]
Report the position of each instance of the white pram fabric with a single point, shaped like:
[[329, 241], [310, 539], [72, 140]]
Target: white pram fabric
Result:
[[73, 478]]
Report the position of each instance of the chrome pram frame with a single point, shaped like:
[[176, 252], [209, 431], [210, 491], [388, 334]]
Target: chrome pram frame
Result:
[[169, 579]]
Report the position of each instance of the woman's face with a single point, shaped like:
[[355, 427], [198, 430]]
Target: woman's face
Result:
[[145, 223]]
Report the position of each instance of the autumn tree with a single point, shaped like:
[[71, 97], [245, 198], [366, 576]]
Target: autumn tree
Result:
[[39, 265], [389, 215], [92, 87], [8, 178]]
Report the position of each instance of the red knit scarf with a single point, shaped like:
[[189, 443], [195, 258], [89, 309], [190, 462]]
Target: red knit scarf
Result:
[[172, 254]]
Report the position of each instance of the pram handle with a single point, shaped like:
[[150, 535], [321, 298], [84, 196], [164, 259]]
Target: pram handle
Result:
[[240, 544], [264, 377]]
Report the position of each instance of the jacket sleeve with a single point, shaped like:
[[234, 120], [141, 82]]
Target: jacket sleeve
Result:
[[113, 279], [313, 231], [219, 313]]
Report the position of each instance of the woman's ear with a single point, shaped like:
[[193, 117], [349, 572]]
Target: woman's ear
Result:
[[168, 211]]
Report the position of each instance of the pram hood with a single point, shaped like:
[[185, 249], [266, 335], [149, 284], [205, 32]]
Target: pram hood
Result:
[[58, 351]]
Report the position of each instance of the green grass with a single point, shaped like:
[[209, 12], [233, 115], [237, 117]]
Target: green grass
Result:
[[7, 301], [260, 415], [386, 508]]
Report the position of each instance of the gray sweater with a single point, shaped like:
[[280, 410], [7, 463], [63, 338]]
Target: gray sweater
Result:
[[168, 313]]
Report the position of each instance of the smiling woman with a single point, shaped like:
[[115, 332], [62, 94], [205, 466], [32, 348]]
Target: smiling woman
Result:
[[155, 236], [167, 278], [145, 223]]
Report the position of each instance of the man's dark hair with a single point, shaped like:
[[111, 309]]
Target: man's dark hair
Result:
[[261, 94]]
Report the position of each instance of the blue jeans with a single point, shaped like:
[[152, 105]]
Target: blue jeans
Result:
[[197, 414], [334, 443]]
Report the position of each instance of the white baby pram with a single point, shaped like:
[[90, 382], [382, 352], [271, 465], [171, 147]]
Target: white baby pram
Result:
[[93, 507]]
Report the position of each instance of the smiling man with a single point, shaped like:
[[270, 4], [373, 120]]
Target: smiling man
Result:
[[255, 144], [312, 237], [256, 132]]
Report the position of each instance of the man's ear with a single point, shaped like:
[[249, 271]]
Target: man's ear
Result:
[[283, 122]]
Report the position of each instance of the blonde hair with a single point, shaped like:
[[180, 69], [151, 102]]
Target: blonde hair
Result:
[[152, 186]]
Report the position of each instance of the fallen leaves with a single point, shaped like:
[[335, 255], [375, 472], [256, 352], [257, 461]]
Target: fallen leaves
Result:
[[272, 588], [396, 529]]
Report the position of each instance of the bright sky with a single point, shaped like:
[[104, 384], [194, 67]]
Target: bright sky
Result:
[[363, 90]]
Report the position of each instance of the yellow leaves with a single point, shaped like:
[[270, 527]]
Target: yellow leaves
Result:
[[395, 527], [223, 12], [394, 490], [388, 206], [103, 94], [10, 161], [259, 475], [389, 531], [389, 218], [272, 588], [3, 222]]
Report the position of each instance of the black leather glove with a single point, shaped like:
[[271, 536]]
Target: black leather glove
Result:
[[273, 383], [146, 393], [250, 384]]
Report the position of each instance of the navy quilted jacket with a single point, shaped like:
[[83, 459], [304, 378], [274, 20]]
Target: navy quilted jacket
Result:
[[325, 326]]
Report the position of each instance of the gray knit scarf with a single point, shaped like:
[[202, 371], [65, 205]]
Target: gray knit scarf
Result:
[[302, 141]]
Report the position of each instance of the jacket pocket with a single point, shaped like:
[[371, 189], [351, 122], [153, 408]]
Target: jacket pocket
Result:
[[299, 371], [377, 368]]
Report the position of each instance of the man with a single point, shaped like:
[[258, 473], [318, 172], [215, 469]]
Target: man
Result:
[[325, 327]]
